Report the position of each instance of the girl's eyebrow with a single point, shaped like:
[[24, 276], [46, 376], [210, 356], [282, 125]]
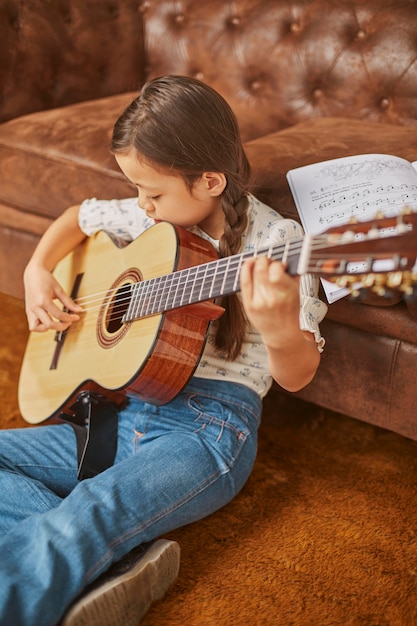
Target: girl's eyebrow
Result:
[[146, 187]]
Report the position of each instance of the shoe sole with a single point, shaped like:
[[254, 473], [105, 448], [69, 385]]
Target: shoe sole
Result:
[[126, 599]]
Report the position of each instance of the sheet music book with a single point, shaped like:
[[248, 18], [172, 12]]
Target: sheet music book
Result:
[[330, 193]]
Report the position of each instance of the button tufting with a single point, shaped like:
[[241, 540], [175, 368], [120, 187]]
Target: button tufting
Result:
[[179, 18], [384, 103], [255, 85], [317, 93], [235, 21], [114, 11], [295, 27], [361, 34], [199, 75], [14, 22]]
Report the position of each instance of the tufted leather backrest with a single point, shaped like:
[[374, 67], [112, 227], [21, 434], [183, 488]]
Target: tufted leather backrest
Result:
[[279, 62], [56, 52]]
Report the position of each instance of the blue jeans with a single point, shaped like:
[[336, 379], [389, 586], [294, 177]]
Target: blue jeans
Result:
[[174, 465]]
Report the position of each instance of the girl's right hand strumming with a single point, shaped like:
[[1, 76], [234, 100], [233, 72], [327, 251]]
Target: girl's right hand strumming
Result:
[[47, 304]]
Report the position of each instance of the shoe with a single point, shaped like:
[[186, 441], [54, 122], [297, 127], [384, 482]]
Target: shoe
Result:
[[122, 595]]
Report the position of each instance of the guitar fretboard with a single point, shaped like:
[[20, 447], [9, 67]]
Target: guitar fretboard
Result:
[[201, 282]]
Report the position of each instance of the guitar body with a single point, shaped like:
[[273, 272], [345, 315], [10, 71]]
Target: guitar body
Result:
[[147, 306], [152, 357]]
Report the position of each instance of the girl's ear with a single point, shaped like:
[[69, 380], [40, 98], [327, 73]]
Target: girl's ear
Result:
[[214, 182]]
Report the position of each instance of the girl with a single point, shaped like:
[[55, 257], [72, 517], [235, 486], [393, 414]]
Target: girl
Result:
[[179, 145]]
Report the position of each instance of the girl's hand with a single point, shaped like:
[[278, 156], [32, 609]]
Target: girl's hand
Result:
[[271, 300], [272, 303], [42, 291]]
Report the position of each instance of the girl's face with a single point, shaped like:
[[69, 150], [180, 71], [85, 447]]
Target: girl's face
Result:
[[166, 197]]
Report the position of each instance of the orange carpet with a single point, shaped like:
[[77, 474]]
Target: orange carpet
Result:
[[323, 534]]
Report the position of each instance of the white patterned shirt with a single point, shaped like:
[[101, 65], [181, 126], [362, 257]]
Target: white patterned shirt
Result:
[[124, 220]]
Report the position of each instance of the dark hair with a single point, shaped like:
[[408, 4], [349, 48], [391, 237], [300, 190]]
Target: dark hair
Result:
[[182, 125]]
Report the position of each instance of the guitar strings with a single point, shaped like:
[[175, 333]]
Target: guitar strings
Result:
[[217, 270], [177, 279], [317, 243], [155, 288], [92, 299]]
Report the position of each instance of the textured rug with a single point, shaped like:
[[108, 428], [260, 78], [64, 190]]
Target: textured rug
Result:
[[323, 533]]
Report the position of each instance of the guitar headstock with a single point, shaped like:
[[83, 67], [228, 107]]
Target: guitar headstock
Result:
[[379, 255], [382, 284]]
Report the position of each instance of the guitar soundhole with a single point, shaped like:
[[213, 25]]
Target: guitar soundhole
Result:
[[110, 325], [117, 309]]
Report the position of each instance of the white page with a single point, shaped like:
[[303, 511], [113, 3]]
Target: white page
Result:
[[330, 193]]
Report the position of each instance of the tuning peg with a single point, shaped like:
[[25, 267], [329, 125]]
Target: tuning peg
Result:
[[346, 282], [395, 279], [388, 294], [406, 210], [347, 236], [369, 281], [374, 233], [409, 285], [358, 294], [410, 294]]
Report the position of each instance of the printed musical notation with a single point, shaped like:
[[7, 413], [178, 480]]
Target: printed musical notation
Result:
[[339, 190], [339, 208], [333, 192]]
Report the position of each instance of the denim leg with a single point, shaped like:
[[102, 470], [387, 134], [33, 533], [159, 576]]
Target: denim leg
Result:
[[174, 465], [38, 467]]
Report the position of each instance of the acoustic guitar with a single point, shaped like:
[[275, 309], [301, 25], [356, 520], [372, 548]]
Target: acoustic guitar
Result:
[[147, 306]]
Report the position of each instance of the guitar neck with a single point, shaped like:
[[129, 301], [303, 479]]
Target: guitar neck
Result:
[[202, 282], [338, 253]]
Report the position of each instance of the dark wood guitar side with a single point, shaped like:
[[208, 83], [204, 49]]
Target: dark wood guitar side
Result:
[[147, 306]]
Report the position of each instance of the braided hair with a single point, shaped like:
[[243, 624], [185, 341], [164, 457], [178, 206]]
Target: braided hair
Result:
[[183, 126]]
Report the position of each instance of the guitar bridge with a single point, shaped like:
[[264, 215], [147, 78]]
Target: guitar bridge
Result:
[[61, 334]]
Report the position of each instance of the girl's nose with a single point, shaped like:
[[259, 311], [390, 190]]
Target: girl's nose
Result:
[[145, 203]]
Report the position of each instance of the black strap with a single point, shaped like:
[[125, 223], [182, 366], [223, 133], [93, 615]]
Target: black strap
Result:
[[94, 420]]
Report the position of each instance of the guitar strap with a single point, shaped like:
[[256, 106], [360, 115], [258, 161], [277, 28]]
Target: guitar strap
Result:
[[94, 420]]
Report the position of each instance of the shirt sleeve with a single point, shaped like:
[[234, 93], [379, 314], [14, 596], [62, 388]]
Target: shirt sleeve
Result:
[[312, 309], [120, 219]]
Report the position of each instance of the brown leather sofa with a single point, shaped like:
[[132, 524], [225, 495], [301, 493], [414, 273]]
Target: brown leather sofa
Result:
[[309, 80]]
